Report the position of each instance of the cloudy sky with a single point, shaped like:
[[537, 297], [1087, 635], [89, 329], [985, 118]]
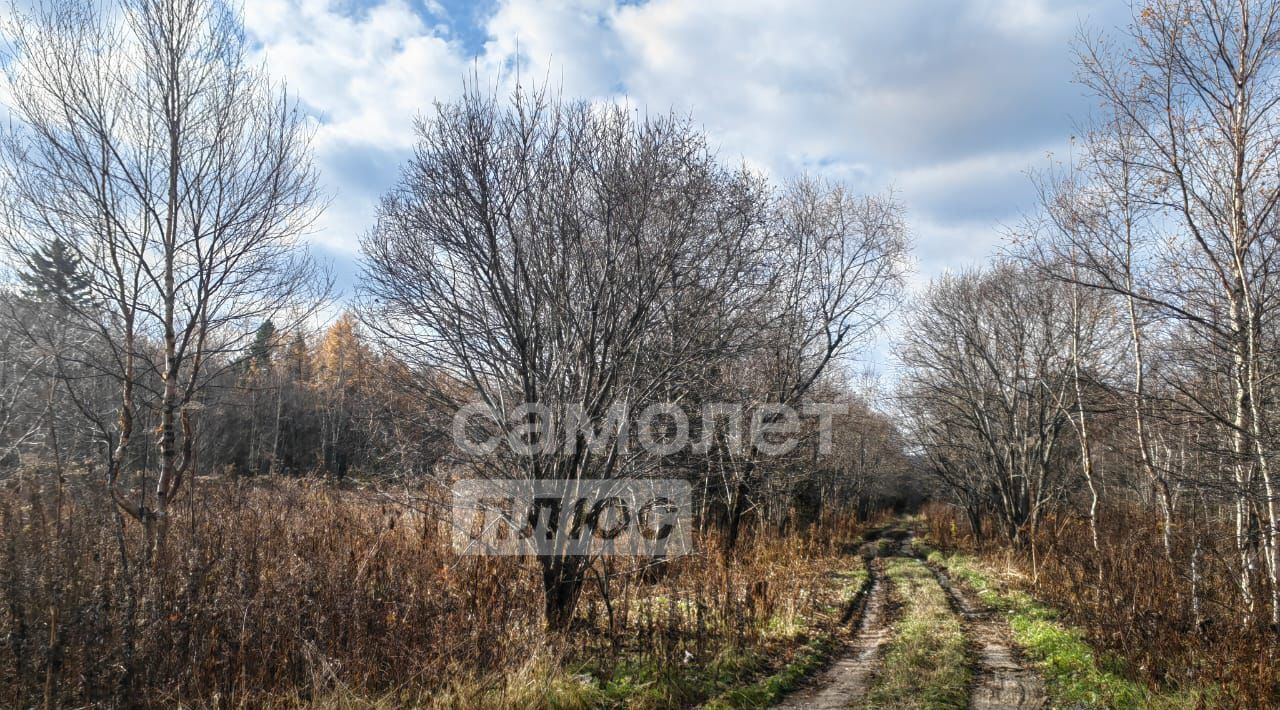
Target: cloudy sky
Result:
[[947, 101]]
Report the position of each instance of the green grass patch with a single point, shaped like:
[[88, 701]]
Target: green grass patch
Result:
[[1074, 675], [810, 658], [653, 684], [768, 691], [925, 663]]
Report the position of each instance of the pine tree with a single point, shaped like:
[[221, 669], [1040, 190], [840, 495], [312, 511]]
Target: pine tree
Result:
[[53, 275], [298, 359], [263, 341]]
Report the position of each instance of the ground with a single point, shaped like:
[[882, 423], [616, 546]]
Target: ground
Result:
[[921, 641]]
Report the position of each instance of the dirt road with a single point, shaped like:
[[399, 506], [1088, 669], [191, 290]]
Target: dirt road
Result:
[[847, 680], [1001, 680]]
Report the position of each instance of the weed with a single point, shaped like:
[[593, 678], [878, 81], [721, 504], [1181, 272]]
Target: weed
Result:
[[925, 664], [1074, 675]]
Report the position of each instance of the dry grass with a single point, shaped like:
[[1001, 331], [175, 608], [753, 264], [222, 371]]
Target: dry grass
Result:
[[1134, 608], [294, 593], [925, 665]]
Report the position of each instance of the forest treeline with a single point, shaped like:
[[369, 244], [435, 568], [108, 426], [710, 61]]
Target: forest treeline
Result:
[[220, 485], [536, 251]]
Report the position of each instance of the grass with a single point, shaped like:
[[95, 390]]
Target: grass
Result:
[[767, 691], [743, 677], [734, 678], [283, 593], [770, 689], [925, 663], [640, 683], [1074, 675], [541, 683]]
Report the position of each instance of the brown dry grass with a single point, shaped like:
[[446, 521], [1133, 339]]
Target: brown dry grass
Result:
[[1138, 611], [288, 593]]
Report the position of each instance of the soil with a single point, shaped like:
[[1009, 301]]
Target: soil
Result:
[[846, 681], [1002, 679]]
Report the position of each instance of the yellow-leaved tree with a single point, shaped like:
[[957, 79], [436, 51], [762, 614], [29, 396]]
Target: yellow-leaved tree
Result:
[[343, 374]]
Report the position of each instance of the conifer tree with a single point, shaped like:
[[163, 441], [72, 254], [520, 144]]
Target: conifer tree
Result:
[[53, 275], [263, 341]]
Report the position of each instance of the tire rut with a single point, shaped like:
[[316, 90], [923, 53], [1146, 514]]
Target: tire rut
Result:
[[1002, 680], [847, 680]]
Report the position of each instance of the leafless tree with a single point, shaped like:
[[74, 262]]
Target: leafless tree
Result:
[[181, 177], [839, 267], [1173, 209], [989, 383], [564, 255], [22, 404]]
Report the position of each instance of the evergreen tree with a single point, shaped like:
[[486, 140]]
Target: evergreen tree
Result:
[[53, 275], [263, 341], [298, 359]]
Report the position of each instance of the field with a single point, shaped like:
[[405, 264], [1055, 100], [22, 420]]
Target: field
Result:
[[296, 593], [289, 593], [639, 354]]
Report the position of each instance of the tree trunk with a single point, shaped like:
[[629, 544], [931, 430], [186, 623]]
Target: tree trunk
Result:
[[1243, 473], [562, 579], [737, 510]]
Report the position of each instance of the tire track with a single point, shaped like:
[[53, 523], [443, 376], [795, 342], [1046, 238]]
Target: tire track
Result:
[[846, 681], [1002, 680]]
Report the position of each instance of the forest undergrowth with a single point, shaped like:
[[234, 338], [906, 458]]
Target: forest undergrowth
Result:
[[297, 592]]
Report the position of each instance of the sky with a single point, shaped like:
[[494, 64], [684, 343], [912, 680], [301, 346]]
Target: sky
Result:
[[947, 102]]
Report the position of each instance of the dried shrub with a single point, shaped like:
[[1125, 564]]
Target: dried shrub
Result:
[[296, 592]]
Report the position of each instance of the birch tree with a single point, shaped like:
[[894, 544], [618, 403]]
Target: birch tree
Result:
[[180, 175], [1194, 141]]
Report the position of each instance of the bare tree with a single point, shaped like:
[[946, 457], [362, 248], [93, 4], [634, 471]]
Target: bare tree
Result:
[[838, 271], [989, 374], [1175, 212], [181, 177], [22, 406], [567, 256]]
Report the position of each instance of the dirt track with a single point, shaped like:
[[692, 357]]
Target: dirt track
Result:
[[1001, 680], [847, 680]]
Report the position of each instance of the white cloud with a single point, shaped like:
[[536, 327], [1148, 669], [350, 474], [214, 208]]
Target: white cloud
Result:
[[568, 43], [366, 75], [950, 102]]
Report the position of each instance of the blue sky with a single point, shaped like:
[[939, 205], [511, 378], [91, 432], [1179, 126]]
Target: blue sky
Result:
[[947, 101]]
